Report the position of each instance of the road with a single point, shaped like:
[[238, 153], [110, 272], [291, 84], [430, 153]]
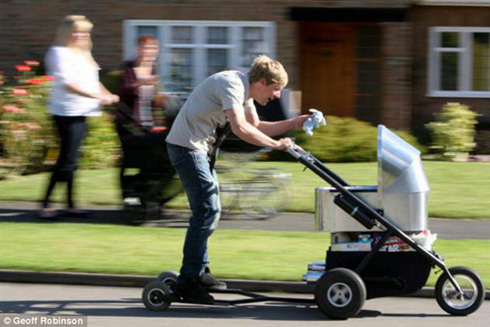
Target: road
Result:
[[121, 307]]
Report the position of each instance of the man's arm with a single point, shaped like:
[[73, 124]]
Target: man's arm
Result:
[[276, 127], [249, 133]]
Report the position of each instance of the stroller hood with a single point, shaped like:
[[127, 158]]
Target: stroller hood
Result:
[[399, 165]]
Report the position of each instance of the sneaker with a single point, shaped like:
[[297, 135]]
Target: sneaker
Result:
[[191, 291], [209, 281]]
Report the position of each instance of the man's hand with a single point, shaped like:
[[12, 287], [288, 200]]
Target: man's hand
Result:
[[283, 144], [297, 122]]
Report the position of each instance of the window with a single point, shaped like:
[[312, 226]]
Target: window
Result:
[[459, 62], [192, 50]]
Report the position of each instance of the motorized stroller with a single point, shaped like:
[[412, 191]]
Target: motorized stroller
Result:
[[377, 253]]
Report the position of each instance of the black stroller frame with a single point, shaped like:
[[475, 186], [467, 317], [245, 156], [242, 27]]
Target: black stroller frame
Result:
[[145, 151], [340, 292]]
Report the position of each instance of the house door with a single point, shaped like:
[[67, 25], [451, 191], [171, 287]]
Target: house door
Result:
[[328, 67]]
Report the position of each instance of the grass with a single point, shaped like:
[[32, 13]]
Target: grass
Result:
[[458, 190], [266, 255]]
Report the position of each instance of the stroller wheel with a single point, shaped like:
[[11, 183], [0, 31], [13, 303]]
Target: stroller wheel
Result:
[[169, 278], [156, 296], [340, 293], [473, 292]]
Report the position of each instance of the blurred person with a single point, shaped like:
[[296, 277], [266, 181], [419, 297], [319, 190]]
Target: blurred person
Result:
[[138, 84], [221, 99], [76, 94]]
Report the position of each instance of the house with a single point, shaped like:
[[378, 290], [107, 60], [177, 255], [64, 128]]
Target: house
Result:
[[394, 62]]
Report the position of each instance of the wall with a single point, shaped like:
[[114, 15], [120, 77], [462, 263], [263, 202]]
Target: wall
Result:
[[28, 26], [425, 107]]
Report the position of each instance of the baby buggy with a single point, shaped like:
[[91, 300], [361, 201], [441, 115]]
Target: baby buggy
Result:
[[385, 250]]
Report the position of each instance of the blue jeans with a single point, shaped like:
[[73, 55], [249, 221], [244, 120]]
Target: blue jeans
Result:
[[201, 186]]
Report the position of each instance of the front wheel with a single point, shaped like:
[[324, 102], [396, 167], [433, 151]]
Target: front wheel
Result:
[[340, 293], [156, 296], [451, 301]]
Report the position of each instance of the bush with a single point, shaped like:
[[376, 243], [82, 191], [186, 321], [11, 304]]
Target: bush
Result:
[[342, 140], [101, 147], [26, 132], [453, 132]]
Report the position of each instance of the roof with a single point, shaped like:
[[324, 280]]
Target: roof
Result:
[[465, 3]]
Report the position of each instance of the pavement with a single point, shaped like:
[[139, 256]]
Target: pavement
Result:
[[12, 211]]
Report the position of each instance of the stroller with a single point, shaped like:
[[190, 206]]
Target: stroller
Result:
[[147, 178], [384, 260], [386, 249]]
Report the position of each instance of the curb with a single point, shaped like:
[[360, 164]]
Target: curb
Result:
[[72, 278]]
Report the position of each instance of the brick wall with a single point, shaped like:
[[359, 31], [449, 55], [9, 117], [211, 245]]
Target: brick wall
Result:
[[396, 95], [425, 107], [28, 26]]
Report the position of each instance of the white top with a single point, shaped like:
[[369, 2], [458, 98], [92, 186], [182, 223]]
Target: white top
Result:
[[195, 125], [67, 66]]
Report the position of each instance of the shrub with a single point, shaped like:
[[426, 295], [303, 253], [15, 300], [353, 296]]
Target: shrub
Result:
[[342, 140], [101, 147], [453, 132], [26, 132]]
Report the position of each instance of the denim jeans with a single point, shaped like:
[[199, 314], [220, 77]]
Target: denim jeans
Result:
[[201, 186]]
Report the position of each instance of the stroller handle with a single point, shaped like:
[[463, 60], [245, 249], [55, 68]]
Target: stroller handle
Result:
[[297, 151]]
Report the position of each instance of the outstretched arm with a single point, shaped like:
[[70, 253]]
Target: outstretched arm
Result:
[[276, 127], [249, 133]]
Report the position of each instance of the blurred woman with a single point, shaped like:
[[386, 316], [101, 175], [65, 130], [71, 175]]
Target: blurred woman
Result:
[[76, 94], [138, 84]]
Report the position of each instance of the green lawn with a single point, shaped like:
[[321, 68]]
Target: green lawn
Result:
[[458, 190], [267, 255]]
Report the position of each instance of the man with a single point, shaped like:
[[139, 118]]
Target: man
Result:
[[223, 97]]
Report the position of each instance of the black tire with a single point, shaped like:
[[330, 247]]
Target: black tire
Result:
[[169, 278], [156, 296], [471, 285], [340, 293]]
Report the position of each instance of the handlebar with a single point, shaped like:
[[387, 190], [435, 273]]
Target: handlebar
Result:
[[297, 151]]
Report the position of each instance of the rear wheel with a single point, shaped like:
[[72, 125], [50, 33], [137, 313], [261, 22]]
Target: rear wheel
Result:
[[168, 278], [340, 293], [451, 301]]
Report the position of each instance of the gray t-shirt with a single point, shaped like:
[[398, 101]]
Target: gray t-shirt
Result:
[[195, 125]]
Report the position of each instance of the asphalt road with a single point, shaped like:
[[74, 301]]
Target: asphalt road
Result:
[[116, 306], [445, 228]]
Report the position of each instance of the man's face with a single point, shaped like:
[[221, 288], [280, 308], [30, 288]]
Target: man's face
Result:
[[267, 93]]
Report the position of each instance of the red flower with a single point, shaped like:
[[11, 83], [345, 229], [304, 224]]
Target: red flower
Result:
[[1, 82], [33, 63], [13, 109], [35, 81], [23, 68], [47, 77], [19, 92]]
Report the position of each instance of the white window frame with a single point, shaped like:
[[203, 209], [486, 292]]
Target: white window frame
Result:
[[200, 44], [465, 73]]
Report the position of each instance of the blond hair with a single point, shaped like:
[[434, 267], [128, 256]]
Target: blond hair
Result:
[[75, 23], [268, 69]]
